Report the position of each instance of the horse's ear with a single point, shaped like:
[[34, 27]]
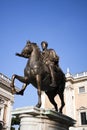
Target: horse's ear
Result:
[[35, 43], [28, 42]]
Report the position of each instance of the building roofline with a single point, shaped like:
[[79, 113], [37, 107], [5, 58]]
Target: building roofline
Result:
[[76, 77]]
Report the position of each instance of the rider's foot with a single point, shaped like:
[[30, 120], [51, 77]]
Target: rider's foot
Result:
[[53, 84]]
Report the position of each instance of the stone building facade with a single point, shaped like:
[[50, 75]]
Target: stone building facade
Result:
[[6, 102], [75, 96]]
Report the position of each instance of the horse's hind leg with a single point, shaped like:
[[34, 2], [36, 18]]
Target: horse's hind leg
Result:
[[51, 98], [61, 95]]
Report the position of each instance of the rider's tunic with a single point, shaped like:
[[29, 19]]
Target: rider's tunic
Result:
[[50, 57]]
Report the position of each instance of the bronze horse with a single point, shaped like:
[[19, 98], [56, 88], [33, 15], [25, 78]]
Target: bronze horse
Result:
[[37, 73]]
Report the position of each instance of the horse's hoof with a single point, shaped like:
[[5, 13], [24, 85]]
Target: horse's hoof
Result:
[[38, 105], [60, 111], [56, 110], [20, 93]]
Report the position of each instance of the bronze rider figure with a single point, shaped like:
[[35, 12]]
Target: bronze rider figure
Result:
[[51, 59]]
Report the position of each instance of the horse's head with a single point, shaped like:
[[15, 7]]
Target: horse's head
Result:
[[29, 47]]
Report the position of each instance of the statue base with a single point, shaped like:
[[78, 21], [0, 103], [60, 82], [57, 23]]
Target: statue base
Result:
[[32, 118]]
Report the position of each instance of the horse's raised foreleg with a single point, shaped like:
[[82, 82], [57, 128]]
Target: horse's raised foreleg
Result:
[[21, 92], [38, 79], [12, 84], [21, 79], [61, 95]]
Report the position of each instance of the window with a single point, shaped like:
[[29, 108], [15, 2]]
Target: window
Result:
[[83, 118], [82, 89]]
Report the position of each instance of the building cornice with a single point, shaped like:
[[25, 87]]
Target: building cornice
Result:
[[5, 82], [6, 95], [76, 78]]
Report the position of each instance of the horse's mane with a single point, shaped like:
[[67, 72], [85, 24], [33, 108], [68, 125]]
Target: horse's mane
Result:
[[37, 47]]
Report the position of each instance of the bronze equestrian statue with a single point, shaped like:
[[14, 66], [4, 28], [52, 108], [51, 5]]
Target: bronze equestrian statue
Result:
[[38, 74]]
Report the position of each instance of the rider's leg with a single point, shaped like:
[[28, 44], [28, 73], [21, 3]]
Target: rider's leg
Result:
[[53, 84]]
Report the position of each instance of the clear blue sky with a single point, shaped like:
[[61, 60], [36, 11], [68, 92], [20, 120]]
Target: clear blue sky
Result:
[[62, 23]]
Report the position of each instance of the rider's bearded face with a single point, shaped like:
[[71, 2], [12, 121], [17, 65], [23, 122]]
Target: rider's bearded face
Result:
[[44, 46]]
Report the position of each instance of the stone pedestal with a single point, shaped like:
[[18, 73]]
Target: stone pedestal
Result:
[[32, 118]]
